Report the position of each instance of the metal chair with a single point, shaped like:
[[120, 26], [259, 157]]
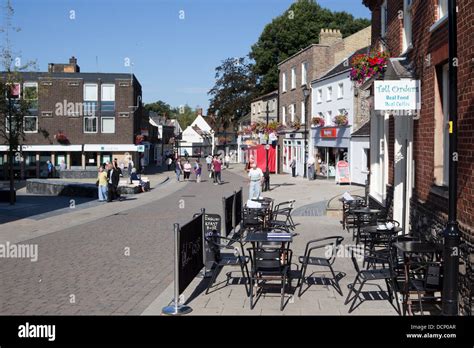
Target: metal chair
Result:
[[281, 215], [236, 258], [363, 276], [251, 218], [329, 243], [426, 282], [269, 265]]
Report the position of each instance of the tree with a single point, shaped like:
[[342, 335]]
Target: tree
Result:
[[14, 104], [232, 93], [160, 107], [297, 28]]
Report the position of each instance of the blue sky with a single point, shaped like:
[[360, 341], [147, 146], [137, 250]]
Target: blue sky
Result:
[[173, 58]]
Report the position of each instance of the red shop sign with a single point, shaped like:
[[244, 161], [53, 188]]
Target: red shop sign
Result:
[[328, 133]]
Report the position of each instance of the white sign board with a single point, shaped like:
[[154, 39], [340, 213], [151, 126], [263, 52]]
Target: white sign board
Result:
[[397, 95]]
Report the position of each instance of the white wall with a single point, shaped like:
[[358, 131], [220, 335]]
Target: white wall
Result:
[[191, 136], [358, 159], [201, 123], [346, 102]]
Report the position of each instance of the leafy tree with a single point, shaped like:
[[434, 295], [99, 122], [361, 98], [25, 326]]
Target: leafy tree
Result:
[[297, 28], [14, 104], [232, 92], [160, 107]]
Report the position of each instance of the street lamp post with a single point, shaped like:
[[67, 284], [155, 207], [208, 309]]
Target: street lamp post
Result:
[[451, 232], [306, 93], [266, 185]]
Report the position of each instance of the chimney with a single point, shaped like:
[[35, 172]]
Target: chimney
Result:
[[199, 111], [72, 67], [329, 36]]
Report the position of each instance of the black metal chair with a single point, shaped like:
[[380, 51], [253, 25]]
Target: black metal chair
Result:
[[330, 244], [426, 282], [251, 218], [363, 276], [267, 266], [281, 215], [236, 258], [347, 217]]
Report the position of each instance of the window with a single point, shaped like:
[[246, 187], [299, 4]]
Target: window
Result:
[[30, 94], [293, 78], [441, 138], [108, 125], [30, 124], [340, 90], [442, 8], [321, 115], [259, 108], [283, 115], [292, 112], [320, 95], [342, 112], [407, 25], [329, 96], [304, 73], [253, 109], [90, 99], [384, 18], [329, 117], [15, 91], [9, 120], [90, 124], [283, 81], [303, 110], [107, 98]]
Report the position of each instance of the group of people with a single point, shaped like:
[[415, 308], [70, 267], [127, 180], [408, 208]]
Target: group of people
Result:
[[186, 168], [108, 181], [109, 177]]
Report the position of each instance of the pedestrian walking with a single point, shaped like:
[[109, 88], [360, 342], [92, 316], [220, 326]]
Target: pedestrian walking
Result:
[[130, 165], [227, 161], [62, 165], [187, 170], [256, 178], [209, 162], [311, 167], [50, 169], [142, 164], [178, 169], [217, 165], [197, 170], [102, 184], [293, 167]]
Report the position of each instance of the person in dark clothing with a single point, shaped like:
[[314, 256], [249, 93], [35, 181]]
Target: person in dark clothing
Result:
[[113, 178]]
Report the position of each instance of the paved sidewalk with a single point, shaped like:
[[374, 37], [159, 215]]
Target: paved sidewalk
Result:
[[37, 215], [320, 298]]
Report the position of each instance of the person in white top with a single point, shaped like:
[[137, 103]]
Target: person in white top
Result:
[[256, 178], [209, 162], [227, 160], [187, 170], [311, 162]]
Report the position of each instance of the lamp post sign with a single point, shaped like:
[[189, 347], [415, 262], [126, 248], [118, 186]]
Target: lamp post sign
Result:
[[397, 95]]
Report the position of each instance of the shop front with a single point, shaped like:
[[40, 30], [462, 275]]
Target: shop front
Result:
[[293, 148], [331, 145]]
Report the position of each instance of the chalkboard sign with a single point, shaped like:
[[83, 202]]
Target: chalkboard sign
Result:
[[228, 212], [190, 252], [238, 208], [212, 229]]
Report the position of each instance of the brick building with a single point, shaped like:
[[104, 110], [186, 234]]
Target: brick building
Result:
[[299, 70], [258, 107], [83, 119], [409, 154]]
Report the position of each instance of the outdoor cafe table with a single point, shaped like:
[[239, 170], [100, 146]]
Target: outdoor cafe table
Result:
[[264, 211], [263, 237], [410, 248]]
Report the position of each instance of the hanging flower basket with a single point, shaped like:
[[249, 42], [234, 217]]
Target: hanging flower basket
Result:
[[365, 66], [340, 120], [317, 121], [61, 138], [295, 125]]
